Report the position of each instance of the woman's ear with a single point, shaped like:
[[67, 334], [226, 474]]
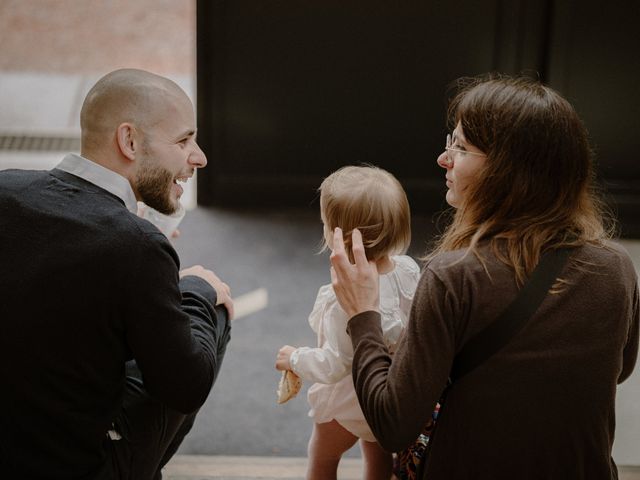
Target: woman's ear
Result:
[[127, 139]]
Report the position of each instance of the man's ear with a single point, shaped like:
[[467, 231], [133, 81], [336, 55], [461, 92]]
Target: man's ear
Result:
[[128, 140]]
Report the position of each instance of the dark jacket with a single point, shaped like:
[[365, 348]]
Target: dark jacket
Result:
[[85, 286]]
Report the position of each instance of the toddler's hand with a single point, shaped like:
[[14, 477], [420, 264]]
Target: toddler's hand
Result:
[[282, 360]]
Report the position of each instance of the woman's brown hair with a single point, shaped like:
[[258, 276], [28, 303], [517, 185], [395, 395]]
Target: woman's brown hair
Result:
[[536, 189]]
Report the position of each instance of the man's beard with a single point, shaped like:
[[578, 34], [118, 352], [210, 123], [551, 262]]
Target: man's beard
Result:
[[154, 187]]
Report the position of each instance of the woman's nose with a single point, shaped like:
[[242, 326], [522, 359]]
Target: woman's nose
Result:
[[444, 160]]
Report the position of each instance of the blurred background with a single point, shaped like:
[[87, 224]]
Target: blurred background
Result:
[[287, 92]]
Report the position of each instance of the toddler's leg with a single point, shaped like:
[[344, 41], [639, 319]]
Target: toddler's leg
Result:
[[327, 444], [378, 464]]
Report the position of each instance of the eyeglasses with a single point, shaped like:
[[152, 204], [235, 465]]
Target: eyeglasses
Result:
[[449, 148]]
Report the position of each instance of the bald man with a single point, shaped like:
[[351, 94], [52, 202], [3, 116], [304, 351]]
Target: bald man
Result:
[[107, 350]]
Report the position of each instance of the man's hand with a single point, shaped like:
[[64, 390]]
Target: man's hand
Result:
[[282, 360], [356, 286], [221, 288]]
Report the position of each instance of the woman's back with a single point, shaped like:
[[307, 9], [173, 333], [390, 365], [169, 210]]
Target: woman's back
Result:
[[519, 173], [542, 407]]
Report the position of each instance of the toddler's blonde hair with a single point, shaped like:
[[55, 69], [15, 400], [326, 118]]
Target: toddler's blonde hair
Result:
[[373, 201]]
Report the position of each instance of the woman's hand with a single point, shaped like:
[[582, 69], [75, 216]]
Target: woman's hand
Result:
[[356, 286], [282, 360]]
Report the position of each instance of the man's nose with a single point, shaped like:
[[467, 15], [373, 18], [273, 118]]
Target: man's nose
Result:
[[198, 159]]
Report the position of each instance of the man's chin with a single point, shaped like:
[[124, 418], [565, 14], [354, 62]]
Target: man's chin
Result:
[[166, 207], [171, 209]]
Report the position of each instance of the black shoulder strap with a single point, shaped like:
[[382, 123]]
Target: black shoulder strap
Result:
[[498, 334]]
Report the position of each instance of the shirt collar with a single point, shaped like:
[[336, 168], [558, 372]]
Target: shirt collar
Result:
[[104, 178]]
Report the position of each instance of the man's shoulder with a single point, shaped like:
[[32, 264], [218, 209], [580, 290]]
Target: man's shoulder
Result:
[[21, 173], [146, 229], [125, 226], [15, 178]]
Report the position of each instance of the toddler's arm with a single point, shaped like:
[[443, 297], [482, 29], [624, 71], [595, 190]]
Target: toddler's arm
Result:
[[331, 361], [319, 365], [312, 364]]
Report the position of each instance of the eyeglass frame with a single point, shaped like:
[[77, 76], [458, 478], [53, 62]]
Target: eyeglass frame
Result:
[[449, 148]]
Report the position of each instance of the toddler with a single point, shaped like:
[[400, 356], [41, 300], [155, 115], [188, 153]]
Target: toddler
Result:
[[372, 200]]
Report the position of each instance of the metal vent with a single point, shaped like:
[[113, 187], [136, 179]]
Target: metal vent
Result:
[[39, 143]]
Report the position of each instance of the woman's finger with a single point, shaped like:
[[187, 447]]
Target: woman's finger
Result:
[[338, 257], [338, 241], [357, 247]]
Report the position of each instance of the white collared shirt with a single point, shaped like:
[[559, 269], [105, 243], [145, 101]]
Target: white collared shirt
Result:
[[104, 178]]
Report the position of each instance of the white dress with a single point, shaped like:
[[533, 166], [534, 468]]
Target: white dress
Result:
[[333, 396]]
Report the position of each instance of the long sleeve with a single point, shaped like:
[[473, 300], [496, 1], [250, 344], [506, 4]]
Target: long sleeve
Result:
[[397, 398], [330, 362], [552, 385], [172, 328]]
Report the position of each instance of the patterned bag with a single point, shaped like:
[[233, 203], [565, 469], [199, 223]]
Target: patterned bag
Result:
[[406, 462]]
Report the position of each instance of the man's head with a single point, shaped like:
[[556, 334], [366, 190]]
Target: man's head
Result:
[[142, 126]]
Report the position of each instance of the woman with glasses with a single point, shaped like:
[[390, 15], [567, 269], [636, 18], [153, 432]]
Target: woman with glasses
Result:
[[519, 173]]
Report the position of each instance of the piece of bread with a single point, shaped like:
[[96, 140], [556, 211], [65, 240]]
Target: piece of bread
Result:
[[289, 386]]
